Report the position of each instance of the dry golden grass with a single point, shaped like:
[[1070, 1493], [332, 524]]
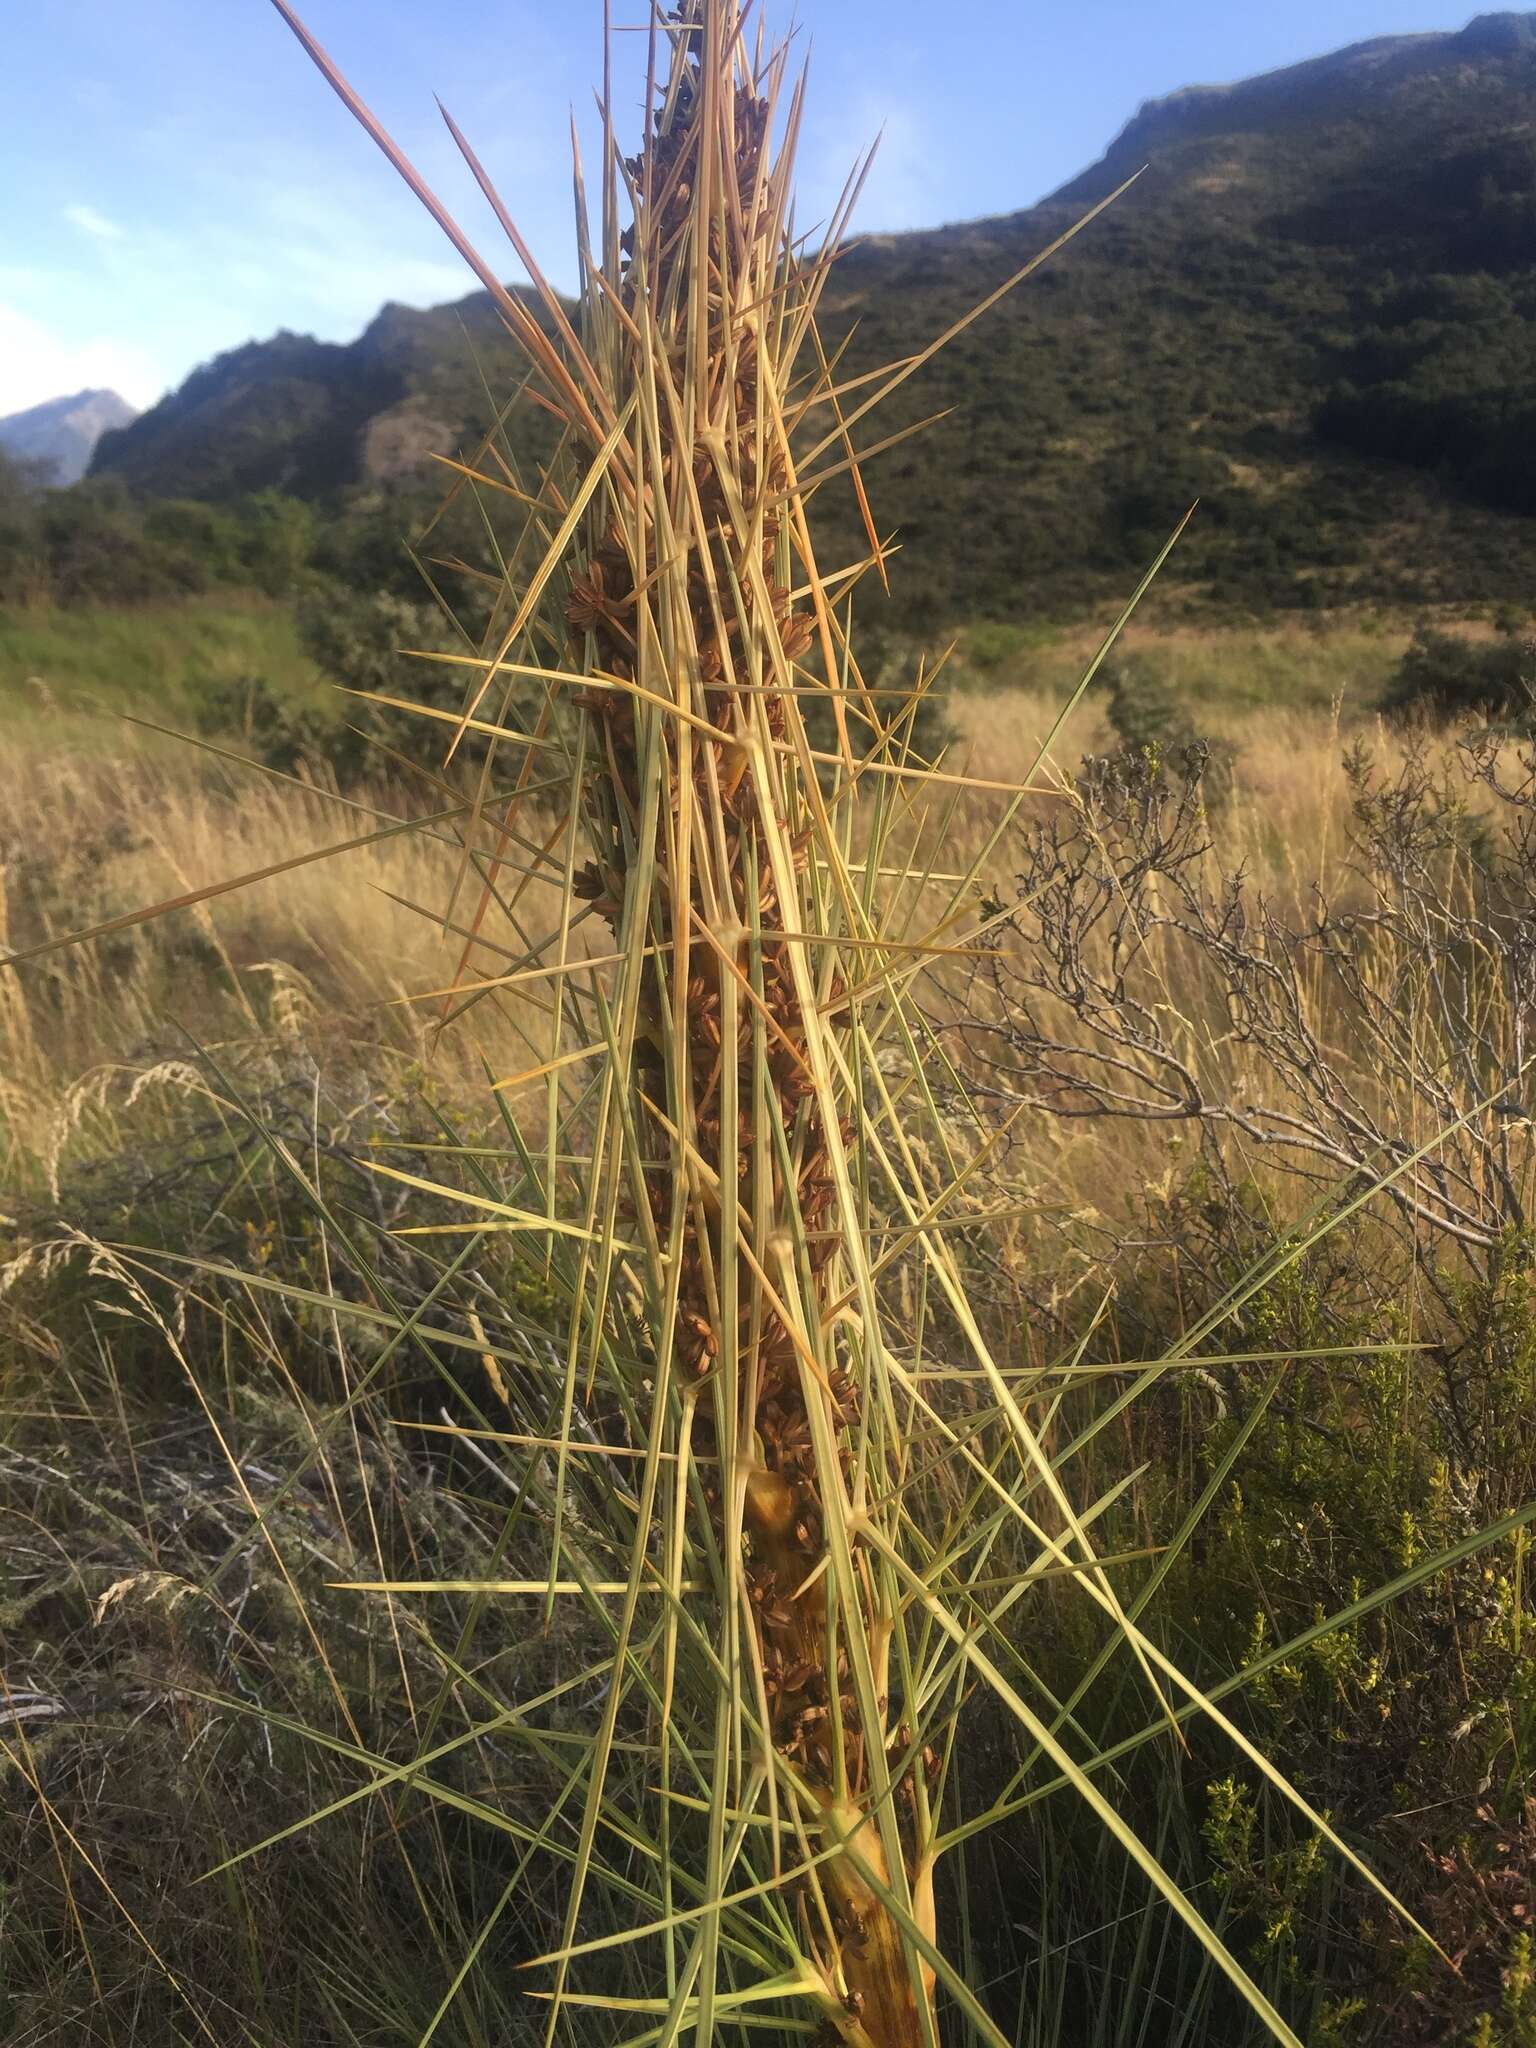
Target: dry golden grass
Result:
[[1288, 817], [336, 954], [1303, 663]]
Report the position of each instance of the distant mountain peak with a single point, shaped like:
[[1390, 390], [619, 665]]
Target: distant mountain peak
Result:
[[1499, 35], [1297, 90], [62, 432]]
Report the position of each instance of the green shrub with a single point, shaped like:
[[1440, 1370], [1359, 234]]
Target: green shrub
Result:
[[95, 543], [280, 730], [357, 641], [1442, 678], [1157, 736]]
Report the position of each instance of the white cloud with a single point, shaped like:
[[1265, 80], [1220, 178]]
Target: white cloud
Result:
[[323, 252], [36, 364], [92, 223]]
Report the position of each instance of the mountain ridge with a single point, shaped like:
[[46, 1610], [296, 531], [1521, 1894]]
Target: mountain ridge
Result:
[[1315, 312], [63, 432], [1384, 58]]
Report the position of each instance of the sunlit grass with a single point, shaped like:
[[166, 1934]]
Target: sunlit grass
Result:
[[66, 672]]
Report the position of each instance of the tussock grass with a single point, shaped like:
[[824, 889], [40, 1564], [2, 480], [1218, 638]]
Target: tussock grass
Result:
[[337, 950]]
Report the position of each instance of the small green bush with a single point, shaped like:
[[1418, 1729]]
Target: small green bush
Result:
[[280, 730], [1442, 678], [358, 642], [1157, 736]]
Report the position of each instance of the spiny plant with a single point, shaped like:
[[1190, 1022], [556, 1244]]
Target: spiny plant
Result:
[[758, 1148], [801, 1502]]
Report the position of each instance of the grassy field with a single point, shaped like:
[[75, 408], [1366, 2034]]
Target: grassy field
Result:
[[1291, 666], [103, 817], [82, 663], [189, 1462], [66, 672]]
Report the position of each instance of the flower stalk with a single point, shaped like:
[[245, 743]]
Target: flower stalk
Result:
[[743, 1149]]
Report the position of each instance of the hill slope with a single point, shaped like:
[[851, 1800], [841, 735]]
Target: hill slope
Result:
[[305, 416], [63, 432], [1315, 310]]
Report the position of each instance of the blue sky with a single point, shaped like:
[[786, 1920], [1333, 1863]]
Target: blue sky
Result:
[[175, 178]]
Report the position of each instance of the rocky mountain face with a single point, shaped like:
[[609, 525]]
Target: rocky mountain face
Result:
[[1314, 311], [311, 417], [62, 433]]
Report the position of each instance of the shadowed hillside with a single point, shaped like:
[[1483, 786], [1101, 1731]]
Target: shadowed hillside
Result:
[[1314, 311], [306, 416]]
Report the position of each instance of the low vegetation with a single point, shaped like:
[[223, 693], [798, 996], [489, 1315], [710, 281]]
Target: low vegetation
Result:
[[138, 1063]]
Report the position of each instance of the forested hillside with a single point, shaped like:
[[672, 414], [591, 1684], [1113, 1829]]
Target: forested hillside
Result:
[[1314, 311]]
